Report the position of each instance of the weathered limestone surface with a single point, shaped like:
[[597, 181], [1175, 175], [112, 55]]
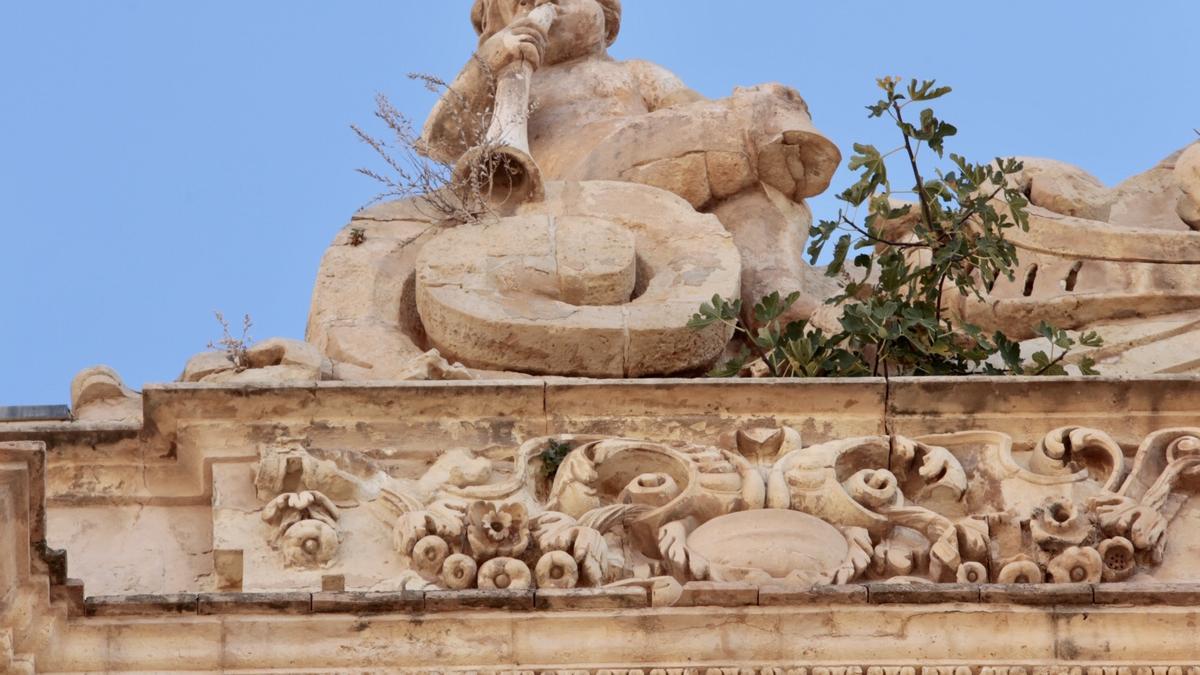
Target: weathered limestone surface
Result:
[[111, 544], [628, 200], [99, 394], [509, 295], [446, 530], [428, 485], [202, 464], [34, 590], [1124, 262], [1187, 173]]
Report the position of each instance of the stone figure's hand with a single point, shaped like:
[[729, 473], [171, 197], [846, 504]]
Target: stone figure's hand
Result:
[[591, 552], [522, 40], [942, 473], [859, 556], [681, 561]]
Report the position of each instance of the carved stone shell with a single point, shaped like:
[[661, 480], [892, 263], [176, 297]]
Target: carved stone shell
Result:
[[770, 545]]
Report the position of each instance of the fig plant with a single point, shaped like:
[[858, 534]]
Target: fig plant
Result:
[[901, 267]]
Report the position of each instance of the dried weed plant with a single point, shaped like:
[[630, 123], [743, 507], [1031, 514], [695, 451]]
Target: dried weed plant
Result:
[[236, 349], [451, 197]]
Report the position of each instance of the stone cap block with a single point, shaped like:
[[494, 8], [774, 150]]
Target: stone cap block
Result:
[[35, 413], [71, 593]]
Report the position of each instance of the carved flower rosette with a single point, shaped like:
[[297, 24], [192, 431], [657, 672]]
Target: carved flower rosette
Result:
[[497, 531], [304, 528]]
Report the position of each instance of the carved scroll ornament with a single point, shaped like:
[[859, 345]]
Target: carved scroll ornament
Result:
[[765, 510]]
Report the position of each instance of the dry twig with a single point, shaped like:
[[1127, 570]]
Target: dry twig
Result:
[[236, 349], [465, 197]]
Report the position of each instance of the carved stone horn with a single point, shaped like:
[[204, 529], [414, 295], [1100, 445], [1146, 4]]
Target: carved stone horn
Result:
[[508, 174]]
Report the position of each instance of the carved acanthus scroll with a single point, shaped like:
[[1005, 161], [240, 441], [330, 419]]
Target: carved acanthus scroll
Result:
[[765, 510]]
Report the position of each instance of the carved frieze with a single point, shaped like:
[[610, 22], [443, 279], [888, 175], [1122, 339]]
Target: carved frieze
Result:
[[588, 511]]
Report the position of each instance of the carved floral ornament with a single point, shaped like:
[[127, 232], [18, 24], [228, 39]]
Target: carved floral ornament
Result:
[[304, 527], [962, 507]]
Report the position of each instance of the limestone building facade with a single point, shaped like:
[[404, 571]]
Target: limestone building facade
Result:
[[494, 451]]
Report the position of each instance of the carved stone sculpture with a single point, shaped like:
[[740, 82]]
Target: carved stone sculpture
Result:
[[766, 511], [627, 200], [98, 393], [304, 527], [276, 360], [542, 94], [272, 512], [1120, 261], [600, 279]]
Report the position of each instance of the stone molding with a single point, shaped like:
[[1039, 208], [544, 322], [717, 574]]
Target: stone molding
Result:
[[463, 413], [420, 603], [198, 438], [985, 640], [34, 589]]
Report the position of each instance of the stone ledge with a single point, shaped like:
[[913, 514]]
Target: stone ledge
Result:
[[918, 404], [452, 601], [822, 409], [142, 605], [717, 594], [921, 594], [401, 602], [1026, 408], [1037, 594], [590, 598], [53, 433], [979, 636], [71, 594], [695, 594], [255, 603], [782, 596], [1172, 595]]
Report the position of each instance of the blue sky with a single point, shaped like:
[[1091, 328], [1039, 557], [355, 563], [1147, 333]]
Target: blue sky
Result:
[[161, 159]]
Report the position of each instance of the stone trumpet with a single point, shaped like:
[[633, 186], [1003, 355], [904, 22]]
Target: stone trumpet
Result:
[[502, 164]]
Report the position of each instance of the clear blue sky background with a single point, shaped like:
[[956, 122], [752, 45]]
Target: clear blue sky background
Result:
[[160, 159]]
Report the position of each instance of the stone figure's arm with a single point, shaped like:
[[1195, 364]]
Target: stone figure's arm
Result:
[[660, 87], [459, 119]]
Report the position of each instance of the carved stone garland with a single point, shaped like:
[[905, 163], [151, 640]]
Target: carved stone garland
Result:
[[767, 511]]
